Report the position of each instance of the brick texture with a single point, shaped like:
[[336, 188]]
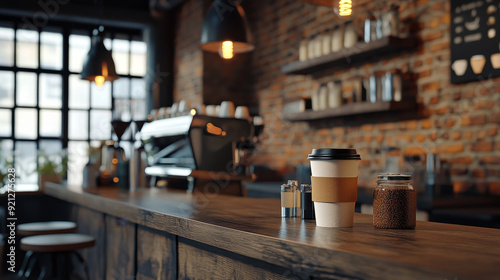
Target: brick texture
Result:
[[458, 121]]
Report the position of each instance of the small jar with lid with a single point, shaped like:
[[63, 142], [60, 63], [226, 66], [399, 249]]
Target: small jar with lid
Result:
[[310, 47], [326, 40], [394, 202], [303, 56]]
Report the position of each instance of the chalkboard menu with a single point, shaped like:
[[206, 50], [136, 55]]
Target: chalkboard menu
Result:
[[475, 40]]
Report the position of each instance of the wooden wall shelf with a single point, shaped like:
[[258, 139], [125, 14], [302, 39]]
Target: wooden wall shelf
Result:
[[350, 110], [361, 52]]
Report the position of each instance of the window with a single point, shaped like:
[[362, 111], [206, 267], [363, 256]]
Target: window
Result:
[[44, 105]]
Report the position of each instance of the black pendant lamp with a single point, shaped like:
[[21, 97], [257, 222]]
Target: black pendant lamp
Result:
[[98, 66], [225, 30]]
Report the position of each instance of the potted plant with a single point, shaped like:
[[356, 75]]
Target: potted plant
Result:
[[51, 167], [5, 164]]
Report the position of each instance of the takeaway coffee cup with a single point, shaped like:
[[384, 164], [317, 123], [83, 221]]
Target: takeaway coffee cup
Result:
[[334, 186]]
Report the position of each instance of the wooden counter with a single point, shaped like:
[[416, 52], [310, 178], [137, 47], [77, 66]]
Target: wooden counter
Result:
[[247, 238]]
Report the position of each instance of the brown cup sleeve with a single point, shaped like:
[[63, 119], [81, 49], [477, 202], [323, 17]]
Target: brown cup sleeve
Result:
[[331, 189]]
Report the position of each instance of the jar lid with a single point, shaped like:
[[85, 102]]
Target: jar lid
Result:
[[329, 154], [394, 177]]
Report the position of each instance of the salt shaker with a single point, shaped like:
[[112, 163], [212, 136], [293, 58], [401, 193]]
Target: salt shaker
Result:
[[287, 201], [394, 202]]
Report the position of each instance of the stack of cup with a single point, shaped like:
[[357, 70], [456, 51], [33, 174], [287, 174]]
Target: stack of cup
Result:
[[334, 186]]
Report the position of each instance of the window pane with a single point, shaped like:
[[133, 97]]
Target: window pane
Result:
[[51, 147], [78, 125], [79, 46], [139, 109], [122, 109], [50, 123], [25, 158], [138, 88], [108, 43], [51, 50], [50, 91], [26, 123], [121, 88], [77, 159], [138, 58], [5, 122], [6, 46], [26, 89], [120, 54], [100, 125], [6, 148], [78, 92], [101, 97], [6, 89], [27, 48]]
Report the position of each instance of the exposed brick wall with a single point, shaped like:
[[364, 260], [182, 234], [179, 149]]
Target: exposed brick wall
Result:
[[460, 122], [188, 60]]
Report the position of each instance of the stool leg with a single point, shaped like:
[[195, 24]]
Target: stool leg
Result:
[[26, 260], [82, 261], [31, 265]]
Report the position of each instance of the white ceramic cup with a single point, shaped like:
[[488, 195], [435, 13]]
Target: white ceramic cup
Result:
[[226, 109], [241, 112], [210, 110], [334, 214]]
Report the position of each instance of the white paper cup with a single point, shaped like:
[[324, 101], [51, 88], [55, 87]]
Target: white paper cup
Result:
[[334, 163]]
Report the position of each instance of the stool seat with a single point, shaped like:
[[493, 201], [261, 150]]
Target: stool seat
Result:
[[57, 242], [40, 228]]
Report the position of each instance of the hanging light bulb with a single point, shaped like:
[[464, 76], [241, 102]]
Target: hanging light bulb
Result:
[[98, 66], [229, 35], [226, 50], [344, 8], [99, 81]]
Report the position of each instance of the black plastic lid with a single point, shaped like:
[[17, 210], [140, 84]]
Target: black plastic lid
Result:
[[329, 154], [394, 177]]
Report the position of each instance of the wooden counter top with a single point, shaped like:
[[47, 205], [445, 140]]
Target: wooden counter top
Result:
[[253, 228]]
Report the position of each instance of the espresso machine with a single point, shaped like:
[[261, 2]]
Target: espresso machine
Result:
[[197, 153]]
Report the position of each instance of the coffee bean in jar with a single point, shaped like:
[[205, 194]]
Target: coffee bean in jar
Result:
[[394, 202]]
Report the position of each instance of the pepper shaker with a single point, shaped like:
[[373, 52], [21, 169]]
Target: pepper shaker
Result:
[[306, 202], [296, 198]]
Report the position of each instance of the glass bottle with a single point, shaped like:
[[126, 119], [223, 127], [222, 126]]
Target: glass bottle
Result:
[[394, 202], [296, 198]]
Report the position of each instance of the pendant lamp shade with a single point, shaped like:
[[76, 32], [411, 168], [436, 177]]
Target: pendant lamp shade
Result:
[[98, 65], [226, 25]]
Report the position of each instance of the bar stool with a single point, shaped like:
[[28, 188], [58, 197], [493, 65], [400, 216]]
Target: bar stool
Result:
[[57, 246], [40, 228]]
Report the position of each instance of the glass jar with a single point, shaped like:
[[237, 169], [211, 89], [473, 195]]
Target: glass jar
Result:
[[350, 35], [318, 45], [310, 47], [303, 50], [394, 202], [326, 42], [337, 38]]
